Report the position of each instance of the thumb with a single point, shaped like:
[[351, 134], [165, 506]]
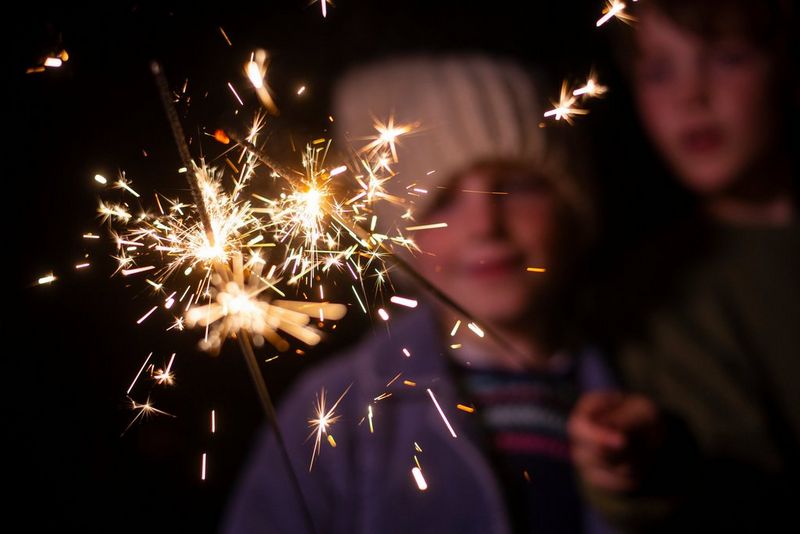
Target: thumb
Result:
[[589, 422]]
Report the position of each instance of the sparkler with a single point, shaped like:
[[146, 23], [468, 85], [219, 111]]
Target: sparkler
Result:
[[370, 245], [220, 233], [236, 311]]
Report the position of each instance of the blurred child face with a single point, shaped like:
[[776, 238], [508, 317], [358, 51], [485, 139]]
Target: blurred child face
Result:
[[480, 259], [705, 104]]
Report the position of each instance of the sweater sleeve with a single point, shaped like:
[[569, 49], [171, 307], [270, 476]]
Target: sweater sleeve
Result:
[[265, 499]]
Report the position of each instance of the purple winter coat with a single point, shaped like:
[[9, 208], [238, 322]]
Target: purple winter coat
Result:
[[365, 484]]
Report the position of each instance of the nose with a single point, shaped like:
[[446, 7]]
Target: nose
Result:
[[482, 214], [695, 88]]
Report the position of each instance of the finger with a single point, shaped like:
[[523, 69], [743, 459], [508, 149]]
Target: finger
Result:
[[595, 403], [585, 431]]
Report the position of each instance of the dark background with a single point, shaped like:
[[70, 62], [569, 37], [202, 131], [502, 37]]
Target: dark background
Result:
[[73, 347]]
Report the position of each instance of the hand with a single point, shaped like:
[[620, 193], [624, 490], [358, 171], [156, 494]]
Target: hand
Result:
[[614, 438]]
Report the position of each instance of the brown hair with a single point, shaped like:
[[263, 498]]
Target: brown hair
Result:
[[766, 24]]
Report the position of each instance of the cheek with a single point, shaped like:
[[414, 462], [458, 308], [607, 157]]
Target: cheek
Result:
[[534, 227], [654, 105], [436, 251], [745, 108]]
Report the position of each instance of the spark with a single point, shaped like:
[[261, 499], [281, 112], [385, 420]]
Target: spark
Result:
[[476, 329], [256, 70], [359, 299], [409, 383], [225, 36], [455, 328], [183, 239], [301, 90], [254, 74], [420, 480], [439, 408], [146, 315], [177, 324], [407, 353], [324, 6], [236, 308], [123, 183], [426, 226], [323, 420], [369, 416], [203, 468], [145, 410], [82, 265], [135, 378], [614, 8], [213, 421], [393, 379], [47, 279], [591, 89], [465, 408], [91, 236], [52, 62], [484, 192], [230, 86], [338, 170], [536, 269], [383, 314], [165, 376], [563, 109], [107, 211], [223, 138], [100, 179], [387, 138], [128, 272]]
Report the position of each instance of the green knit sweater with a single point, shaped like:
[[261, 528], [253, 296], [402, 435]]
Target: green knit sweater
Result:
[[712, 333]]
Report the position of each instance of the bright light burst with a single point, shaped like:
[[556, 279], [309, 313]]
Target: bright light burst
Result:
[[175, 239], [614, 9], [387, 138], [564, 109], [144, 410], [239, 306], [323, 420], [591, 89]]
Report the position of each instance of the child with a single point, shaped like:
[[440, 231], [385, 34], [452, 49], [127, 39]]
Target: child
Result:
[[716, 344], [480, 163]]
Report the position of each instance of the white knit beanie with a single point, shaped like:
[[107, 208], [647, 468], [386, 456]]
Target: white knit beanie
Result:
[[468, 109]]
